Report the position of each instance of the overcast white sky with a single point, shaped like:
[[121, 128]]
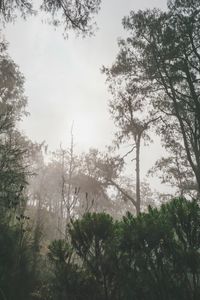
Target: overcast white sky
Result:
[[63, 78]]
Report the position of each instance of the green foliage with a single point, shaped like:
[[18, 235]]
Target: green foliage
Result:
[[68, 280], [152, 256], [93, 239], [12, 144], [17, 279], [18, 251]]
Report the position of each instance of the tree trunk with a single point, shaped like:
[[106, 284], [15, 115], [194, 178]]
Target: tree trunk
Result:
[[137, 170]]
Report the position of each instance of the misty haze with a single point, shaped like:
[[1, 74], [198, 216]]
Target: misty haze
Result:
[[100, 150]]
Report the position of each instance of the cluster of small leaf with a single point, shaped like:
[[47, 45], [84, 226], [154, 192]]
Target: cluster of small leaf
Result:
[[152, 256]]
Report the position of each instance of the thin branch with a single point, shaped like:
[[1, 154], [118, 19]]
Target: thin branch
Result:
[[123, 192]]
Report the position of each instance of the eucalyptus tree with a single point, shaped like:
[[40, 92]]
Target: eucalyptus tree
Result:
[[132, 113], [119, 191], [162, 50]]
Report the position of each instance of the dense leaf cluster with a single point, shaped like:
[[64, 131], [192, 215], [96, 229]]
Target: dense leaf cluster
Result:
[[152, 256]]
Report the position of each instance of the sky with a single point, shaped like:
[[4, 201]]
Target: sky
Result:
[[64, 83]]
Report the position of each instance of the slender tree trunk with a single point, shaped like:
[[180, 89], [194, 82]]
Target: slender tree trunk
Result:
[[62, 200], [137, 170], [69, 201], [37, 234]]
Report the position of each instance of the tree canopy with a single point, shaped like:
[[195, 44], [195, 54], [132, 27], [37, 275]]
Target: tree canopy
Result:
[[160, 59], [71, 14]]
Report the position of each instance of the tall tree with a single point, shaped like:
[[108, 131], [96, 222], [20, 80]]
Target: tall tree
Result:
[[162, 51], [12, 144], [17, 263], [131, 118]]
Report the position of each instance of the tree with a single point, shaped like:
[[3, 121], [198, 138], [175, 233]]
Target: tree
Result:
[[162, 51], [176, 171], [72, 14], [17, 263], [93, 239], [105, 172], [12, 144], [131, 117], [64, 188], [159, 252], [151, 256]]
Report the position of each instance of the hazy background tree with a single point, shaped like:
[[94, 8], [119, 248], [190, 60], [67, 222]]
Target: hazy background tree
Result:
[[129, 109]]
